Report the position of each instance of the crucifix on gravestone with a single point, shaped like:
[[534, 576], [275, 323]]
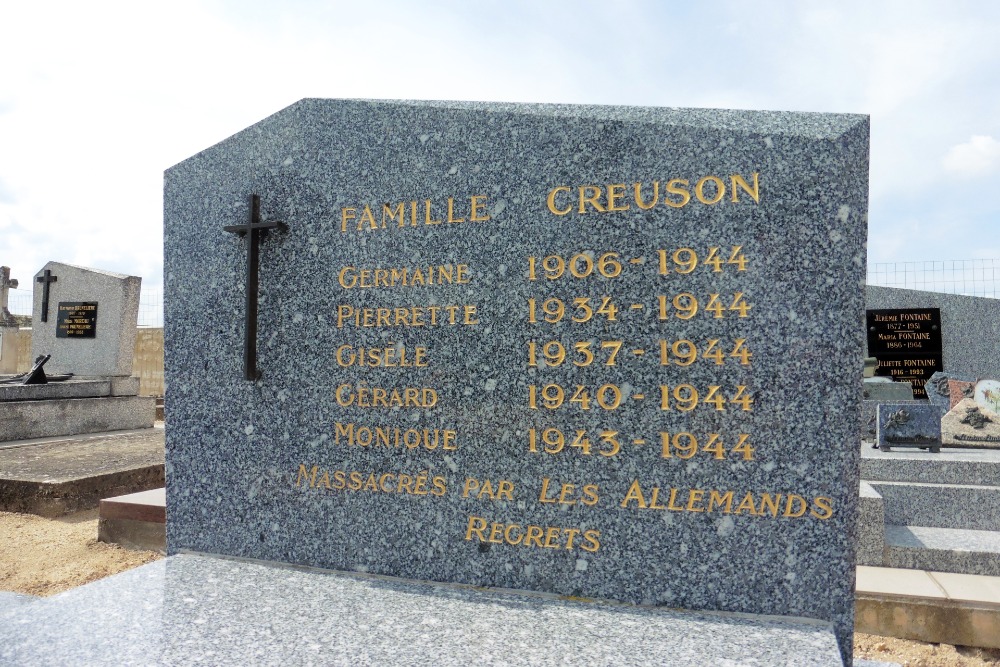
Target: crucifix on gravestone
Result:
[[6, 284], [45, 280], [254, 230]]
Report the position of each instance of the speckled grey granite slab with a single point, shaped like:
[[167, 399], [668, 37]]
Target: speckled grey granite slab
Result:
[[887, 391], [110, 351], [67, 389], [11, 602], [970, 507], [951, 466], [196, 610], [871, 527], [908, 425], [943, 549], [284, 469], [970, 326]]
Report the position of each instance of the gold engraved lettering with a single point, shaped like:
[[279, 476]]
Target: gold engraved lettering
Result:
[[394, 437], [611, 198], [724, 500], [825, 506], [307, 474], [362, 396], [694, 497], [366, 214], [616, 192], [634, 494], [395, 212], [427, 214], [677, 186], [645, 206], [408, 316], [382, 357], [551, 201], [451, 214], [478, 212], [382, 482], [769, 505], [590, 194], [738, 183], [533, 536], [720, 190], [504, 489]]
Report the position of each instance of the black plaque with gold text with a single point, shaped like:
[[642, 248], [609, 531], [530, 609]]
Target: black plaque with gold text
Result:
[[77, 319], [907, 344]]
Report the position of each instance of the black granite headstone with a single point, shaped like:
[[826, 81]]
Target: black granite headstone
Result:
[[907, 344]]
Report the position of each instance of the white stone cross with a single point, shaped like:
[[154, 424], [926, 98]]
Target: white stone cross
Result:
[[6, 284]]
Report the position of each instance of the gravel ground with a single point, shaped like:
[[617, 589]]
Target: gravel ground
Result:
[[47, 556]]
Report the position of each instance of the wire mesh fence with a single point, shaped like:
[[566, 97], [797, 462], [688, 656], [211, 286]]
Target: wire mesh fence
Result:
[[19, 302], [971, 277]]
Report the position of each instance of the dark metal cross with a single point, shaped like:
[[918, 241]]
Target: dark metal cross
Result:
[[45, 280], [255, 230]]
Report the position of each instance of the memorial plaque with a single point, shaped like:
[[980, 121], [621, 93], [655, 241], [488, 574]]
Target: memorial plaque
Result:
[[527, 346], [76, 319], [907, 344]]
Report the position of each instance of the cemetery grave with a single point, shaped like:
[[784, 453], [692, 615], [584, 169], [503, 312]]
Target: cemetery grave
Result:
[[74, 429], [526, 347]]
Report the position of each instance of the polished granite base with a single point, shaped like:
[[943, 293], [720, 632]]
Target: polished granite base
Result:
[[191, 609]]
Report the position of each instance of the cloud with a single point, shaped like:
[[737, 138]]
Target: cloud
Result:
[[978, 155]]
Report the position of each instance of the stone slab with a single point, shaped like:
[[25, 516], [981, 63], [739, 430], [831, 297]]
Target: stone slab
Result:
[[65, 475], [135, 520], [868, 430], [940, 505], [125, 386], [951, 466], [903, 425], [929, 606], [36, 419], [111, 349], [887, 391], [871, 527], [280, 459], [164, 614], [148, 505], [970, 326], [974, 552], [11, 601], [131, 534], [53, 390], [970, 426]]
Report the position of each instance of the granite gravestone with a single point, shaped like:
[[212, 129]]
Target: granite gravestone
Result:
[[907, 344], [526, 346], [908, 425], [86, 319]]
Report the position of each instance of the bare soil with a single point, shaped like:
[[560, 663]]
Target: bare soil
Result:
[[48, 556]]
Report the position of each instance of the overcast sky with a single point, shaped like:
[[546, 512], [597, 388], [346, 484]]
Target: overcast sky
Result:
[[98, 98]]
